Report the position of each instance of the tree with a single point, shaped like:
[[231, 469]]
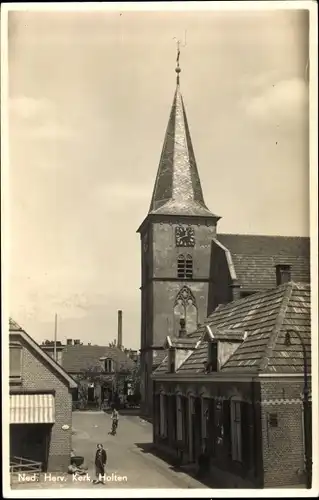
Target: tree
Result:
[[51, 342], [135, 381]]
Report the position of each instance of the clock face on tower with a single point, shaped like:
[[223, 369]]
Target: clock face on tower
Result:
[[185, 236]]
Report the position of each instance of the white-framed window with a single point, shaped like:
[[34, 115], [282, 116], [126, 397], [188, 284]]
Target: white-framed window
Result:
[[179, 418], [236, 434], [163, 416], [109, 365], [205, 410], [15, 360]]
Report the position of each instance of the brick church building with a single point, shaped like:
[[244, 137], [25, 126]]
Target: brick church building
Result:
[[188, 267]]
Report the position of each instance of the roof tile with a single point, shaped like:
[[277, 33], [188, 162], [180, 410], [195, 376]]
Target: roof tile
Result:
[[78, 358], [255, 257], [265, 316]]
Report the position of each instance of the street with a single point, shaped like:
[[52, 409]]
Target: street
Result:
[[128, 466]]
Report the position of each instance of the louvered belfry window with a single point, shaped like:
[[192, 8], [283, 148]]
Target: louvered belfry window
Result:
[[185, 267]]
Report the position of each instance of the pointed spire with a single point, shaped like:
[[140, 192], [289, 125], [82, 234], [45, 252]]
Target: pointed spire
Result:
[[177, 189]]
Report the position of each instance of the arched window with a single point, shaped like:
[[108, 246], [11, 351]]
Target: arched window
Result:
[[185, 307], [179, 313], [185, 267], [191, 316]]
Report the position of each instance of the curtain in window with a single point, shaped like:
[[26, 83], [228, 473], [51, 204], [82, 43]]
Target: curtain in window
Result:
[[173, 419], [226, 421], [211, 427], [157, 415], [162, 415], [247, 431], [185, 419], [179, 418], [236, 423], [166, 421]]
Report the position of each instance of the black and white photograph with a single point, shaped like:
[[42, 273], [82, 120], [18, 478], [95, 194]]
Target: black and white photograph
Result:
[[159, 248]]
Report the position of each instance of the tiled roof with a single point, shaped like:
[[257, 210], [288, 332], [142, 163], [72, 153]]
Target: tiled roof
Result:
[[177, 187], [158, 357], [162, 367], [184, 343], [265, 316], [78, 358], [229, 335], [255, 257]]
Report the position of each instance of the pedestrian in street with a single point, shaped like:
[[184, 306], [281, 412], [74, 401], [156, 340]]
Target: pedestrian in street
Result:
[[100, 463], [115, 420]]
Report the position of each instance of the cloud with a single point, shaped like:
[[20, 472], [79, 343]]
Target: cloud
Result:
[[114, 194], [28, 108], [37, 119], [286, 100], [29, 302]]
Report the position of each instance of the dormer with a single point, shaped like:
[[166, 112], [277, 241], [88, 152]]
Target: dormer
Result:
[[178, 350], [108, 364], [222, 343]]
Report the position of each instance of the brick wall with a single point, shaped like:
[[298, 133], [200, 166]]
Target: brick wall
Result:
[[277, 448], [224, 471], [37, 376], [283, 445]]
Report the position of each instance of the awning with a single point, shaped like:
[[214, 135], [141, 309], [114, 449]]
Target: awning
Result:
[[32, 409]]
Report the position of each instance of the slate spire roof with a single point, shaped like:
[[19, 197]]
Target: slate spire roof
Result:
[[177, 189]]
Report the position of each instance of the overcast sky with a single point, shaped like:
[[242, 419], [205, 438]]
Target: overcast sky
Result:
[[90, 97]]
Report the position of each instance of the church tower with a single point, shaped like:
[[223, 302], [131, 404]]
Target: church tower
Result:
[[175, 243]]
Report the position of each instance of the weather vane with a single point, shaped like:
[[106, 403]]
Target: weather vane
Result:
[[178, 43]]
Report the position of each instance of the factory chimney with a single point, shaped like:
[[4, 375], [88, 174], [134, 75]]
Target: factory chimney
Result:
[[119, 329]]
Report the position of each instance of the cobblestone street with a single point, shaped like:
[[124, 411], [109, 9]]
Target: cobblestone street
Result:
[[128, 466]]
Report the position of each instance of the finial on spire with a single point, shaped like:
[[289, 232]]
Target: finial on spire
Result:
[[178, 69]]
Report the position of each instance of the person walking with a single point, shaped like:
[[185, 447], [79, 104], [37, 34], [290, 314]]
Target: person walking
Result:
[[100, 463], [115, 420]]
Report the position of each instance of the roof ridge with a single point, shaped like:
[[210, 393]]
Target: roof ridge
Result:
[[263, 235], [277, 328]]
